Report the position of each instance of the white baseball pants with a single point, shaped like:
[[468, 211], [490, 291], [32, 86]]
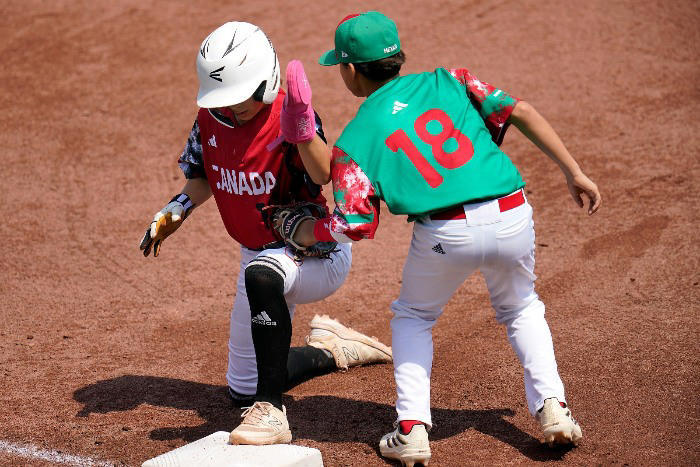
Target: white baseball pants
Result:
[[502, 246], [312, 280]]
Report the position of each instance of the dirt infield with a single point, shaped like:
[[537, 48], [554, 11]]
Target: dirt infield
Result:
[[109, 356]]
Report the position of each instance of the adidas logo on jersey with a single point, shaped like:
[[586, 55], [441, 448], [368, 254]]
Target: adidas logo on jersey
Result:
[[398, 107], [263, 319], [438, 249], [212, 141]]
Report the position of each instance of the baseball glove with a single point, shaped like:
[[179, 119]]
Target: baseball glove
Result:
[[284, 221]]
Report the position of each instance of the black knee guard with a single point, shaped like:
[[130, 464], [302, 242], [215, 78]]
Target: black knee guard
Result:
[[271, 327]]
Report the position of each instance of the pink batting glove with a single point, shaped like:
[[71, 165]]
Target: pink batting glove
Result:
[[297, 120]]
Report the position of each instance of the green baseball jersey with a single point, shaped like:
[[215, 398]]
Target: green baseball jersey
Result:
[[424, 145]]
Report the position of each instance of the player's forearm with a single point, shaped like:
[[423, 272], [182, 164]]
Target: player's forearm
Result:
[[536, 128], [317, 160], [310, 232], [198, 190]]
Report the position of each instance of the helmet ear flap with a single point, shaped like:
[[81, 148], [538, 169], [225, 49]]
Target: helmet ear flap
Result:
[[270, 87], [260, 92]]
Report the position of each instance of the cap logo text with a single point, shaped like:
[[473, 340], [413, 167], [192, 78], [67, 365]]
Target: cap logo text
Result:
[[390, 48]]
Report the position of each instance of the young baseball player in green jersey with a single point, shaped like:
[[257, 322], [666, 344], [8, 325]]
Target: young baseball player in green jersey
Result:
[[428, 145]]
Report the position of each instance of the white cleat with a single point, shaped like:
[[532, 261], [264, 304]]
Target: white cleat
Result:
[[410, 449], [348, 347], [558, 425]]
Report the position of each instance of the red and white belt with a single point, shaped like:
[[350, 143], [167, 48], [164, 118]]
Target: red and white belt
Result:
[[457, 212]]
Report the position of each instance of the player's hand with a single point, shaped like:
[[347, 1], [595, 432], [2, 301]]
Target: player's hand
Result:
[[165, 222], [582, 187], [286, 219], [297, 120], [304, 234]]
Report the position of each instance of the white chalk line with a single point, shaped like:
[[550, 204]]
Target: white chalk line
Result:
[[33, 452]]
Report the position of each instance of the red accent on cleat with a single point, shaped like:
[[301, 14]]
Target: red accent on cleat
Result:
[[407, 425]]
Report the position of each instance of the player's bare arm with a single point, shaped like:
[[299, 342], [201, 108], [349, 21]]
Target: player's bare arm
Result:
[[317, 159], [538, 130], [198, 190]]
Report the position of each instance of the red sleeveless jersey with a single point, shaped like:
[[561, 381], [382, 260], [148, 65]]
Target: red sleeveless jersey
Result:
[[244, 176]]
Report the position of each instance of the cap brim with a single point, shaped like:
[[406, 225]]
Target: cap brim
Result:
[[329, 58]]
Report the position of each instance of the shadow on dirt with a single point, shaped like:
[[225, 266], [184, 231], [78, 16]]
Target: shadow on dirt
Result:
[[321, 418]]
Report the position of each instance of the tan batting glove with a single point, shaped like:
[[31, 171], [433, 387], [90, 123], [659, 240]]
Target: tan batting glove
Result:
[[580, 186], [165, 222]]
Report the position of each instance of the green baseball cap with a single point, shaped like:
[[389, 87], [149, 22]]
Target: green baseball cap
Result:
[[363, 37]]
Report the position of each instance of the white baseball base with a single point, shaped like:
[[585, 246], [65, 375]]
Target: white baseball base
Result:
[[215, 451]]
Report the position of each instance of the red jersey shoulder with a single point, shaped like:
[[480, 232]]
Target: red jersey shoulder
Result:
[[241, 146], [265, 123]]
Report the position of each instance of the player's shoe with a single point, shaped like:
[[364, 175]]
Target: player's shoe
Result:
[[263, 423], [348, 347], [558, 425], [411, 449]]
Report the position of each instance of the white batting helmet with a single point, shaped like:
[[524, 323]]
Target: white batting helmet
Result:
[[235, 62]]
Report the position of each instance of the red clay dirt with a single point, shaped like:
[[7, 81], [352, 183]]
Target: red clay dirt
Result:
[[111, 356]]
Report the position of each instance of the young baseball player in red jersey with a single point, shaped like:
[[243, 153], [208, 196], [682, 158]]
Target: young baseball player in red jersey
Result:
[[236, 153], [428, 145]]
